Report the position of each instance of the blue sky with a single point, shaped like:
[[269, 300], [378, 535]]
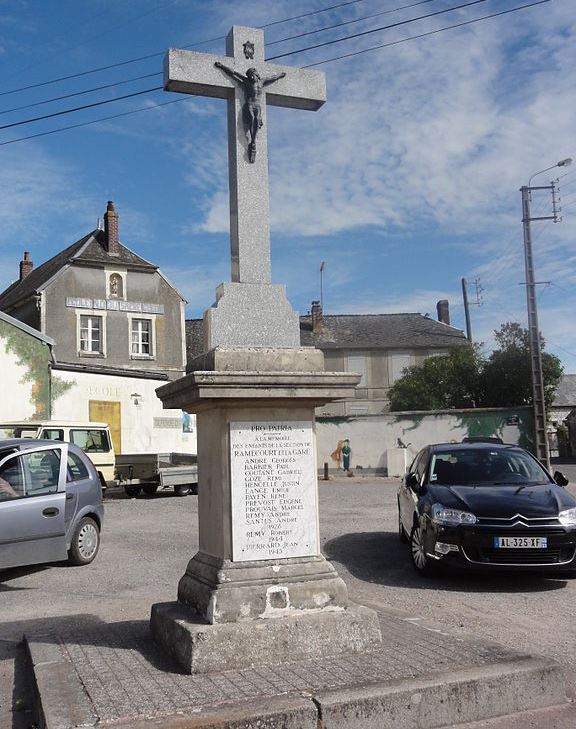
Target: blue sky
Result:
[[404, 182]]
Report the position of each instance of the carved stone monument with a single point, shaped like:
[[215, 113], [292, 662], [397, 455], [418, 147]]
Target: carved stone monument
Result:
[[258, 590]]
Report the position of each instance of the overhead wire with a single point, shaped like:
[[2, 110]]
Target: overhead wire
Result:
[[157, 54], [136, 111], [424, 35], [137, 78], [377, 30], [126, 96]]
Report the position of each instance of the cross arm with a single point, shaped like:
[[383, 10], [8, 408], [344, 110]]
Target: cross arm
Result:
[[195, 73]]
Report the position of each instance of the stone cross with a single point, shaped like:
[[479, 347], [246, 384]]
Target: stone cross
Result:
[[222, 77]]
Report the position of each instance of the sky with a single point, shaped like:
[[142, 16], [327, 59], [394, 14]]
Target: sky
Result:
[[406, 181]]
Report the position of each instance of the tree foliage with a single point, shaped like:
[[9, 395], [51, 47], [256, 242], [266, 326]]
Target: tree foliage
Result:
[[463, 378]]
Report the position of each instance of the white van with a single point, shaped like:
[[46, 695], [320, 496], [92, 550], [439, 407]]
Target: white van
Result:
[[93, 438]]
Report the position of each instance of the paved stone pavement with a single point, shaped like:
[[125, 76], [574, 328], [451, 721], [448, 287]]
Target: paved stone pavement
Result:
[[127, 677]]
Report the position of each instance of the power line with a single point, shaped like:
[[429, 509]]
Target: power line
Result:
[[80, 108], [139, 93], [162, 53], [349, 22], [94, 121], [137, 78], [424, 35], [79, 93], [377, 30], [404, 40]]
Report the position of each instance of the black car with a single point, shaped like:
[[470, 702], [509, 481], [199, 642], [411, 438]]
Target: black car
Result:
[[486, 506]]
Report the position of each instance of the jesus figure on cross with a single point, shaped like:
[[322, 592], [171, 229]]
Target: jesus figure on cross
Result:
[[253, 86]]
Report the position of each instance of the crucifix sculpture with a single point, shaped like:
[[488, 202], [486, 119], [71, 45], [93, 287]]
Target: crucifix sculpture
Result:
[[249, 84]]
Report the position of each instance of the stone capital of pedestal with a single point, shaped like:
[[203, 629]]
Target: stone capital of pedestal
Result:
[[202, 389]]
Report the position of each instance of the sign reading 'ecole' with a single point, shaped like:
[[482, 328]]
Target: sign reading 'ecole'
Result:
[[274, 510]]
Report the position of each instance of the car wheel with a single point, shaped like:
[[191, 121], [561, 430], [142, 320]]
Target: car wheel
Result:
[[401, 533], [420, 559], [85, 542], [132, 490], [183, 489], [150, 488]]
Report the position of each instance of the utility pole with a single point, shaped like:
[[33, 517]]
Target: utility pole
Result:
[[322, 264], [478, 302], [540, 430], [466, 309]]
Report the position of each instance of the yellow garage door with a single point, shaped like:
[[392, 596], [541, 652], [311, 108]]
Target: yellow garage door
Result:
[[106, 411]]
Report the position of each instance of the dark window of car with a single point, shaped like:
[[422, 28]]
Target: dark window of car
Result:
[[421, 465], [91, 441], [30, 474], [76, 468], [488, 466], [53, 434]]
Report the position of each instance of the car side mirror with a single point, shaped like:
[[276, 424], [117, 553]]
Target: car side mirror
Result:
[[560, 479]]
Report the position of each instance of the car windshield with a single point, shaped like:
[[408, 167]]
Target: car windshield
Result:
[[18, 431], [485, 467]]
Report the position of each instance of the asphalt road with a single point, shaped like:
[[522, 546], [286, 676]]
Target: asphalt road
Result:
[[148, 541]]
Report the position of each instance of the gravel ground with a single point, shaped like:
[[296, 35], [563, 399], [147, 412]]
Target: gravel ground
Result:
[[148, 541]]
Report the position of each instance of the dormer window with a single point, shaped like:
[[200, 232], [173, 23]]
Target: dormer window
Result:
[[116, 286]]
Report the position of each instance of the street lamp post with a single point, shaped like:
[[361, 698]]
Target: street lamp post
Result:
[[542, 451]]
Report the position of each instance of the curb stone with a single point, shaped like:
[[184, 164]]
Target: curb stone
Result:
[[439, 699]]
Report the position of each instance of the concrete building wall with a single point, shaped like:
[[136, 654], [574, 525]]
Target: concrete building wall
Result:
[[62, 320], [144, 425], [374, 438], [25, 366]]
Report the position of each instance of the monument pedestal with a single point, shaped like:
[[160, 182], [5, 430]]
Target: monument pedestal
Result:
[[258, 590]]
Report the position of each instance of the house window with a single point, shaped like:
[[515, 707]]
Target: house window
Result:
[[358, 363], [398, 363], [91, 334], [141, 337]]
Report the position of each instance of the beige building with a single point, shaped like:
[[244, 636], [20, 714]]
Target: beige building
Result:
[[376, 346]]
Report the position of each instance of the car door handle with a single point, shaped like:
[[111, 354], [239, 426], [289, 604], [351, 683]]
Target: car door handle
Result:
[[51, 511], [69, 496]]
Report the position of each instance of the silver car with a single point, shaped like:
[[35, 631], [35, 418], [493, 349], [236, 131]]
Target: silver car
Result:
[[50, 503]]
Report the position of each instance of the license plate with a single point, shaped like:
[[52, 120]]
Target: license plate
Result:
[[521, 542]]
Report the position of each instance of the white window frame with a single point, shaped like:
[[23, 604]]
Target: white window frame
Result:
[[360, 357], [92, 315], [391, 378], [132, 321]]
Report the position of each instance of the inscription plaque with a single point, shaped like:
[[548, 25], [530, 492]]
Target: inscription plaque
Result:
[[274, 495]]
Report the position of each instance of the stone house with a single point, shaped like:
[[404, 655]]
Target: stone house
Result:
[[117, 326], [377, 346]]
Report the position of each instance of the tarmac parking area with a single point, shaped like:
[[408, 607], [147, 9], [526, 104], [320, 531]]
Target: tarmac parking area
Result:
[[148, 541]]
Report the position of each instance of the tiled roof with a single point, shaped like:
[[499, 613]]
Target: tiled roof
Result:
[[566, 393], [379, 331], [89, 249], [359, 331]]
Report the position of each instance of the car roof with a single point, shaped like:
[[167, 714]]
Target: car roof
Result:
[[474, 445], [23, 444], [52, 424]]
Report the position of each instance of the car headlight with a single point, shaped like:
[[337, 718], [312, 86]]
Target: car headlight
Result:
[[451, 517], [568, 517]]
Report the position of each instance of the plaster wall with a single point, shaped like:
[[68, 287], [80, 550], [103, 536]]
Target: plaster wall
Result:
[[143, 287], [372, 436], [145, 426], [17, 402]]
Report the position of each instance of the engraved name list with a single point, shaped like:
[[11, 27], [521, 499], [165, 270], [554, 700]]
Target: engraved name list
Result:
[[273, 470]]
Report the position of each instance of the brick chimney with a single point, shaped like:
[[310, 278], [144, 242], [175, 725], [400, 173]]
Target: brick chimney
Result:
[[316, 312], [111, 243], [26, 266], [443, 309]]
